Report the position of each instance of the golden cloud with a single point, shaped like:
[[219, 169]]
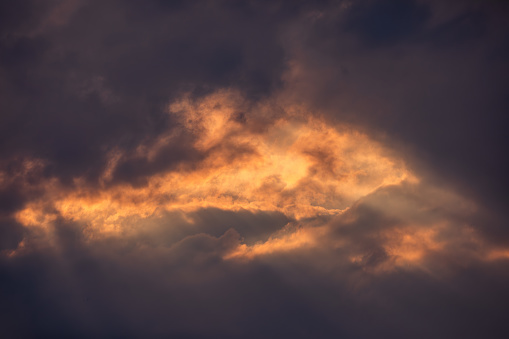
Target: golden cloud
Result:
[[292, 163], [264, 158]]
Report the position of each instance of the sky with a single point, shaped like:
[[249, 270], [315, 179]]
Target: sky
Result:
[[254, 169]]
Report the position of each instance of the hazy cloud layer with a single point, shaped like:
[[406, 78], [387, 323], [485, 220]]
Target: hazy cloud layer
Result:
[[199, 169]]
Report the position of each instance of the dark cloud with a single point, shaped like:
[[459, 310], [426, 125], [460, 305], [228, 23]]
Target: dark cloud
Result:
[[252, 227], [435, 88], [79, 82], [386, 22], [85, 84], [11, 234], [111, 287]]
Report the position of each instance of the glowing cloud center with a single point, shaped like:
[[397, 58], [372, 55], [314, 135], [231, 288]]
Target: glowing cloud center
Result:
[[300, 167]]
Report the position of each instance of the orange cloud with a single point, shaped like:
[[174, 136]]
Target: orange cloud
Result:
[[296, 165], [288, 241], [261, 159]]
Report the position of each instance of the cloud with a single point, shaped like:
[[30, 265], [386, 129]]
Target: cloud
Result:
[[434, 95], [355, 266], [253, 169], [95, 88], [263, 162]]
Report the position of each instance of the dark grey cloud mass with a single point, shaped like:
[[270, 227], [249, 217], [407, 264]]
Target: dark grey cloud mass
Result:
[[162, 285], [431, 76], [82, 80]]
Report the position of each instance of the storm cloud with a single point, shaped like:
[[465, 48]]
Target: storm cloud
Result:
[[205, 169]]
